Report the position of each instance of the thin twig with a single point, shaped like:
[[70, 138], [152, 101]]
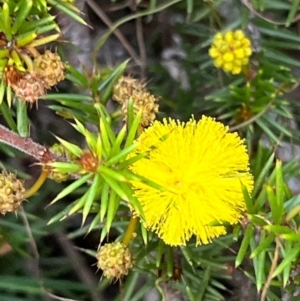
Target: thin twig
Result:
[[36, 259], [252, 119], [141, 43], [119, 6], [34, 250], [252, 9], [32, 243], [273, 267], [128, 18], [79, 266], [100, 13], [58, 298]]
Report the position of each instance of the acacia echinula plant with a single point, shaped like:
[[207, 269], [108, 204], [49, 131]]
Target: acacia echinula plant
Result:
[[186, 203]]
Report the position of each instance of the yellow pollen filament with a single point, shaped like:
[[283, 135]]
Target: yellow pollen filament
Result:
[[200, 167]]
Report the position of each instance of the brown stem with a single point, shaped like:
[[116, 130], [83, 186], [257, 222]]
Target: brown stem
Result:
[[273, 267], [40, 153], [27, 146], [142, 46]]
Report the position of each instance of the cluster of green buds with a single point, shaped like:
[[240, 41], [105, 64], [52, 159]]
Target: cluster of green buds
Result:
[[129, 88], [24, 26], [11, 193]]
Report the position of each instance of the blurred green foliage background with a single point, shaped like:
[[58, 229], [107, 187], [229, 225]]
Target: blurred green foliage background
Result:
[[167, 45]]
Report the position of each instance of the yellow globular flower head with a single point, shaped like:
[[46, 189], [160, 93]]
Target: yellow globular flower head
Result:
[[200, 167], [230, 51]]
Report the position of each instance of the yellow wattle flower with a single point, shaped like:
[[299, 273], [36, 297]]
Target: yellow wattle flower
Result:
[[231, 51], [200, 167]]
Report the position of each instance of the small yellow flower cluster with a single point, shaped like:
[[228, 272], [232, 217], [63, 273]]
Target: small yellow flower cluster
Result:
[[231, 51]]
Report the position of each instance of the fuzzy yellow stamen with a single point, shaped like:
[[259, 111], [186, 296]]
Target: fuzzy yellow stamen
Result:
[[200, 167]]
